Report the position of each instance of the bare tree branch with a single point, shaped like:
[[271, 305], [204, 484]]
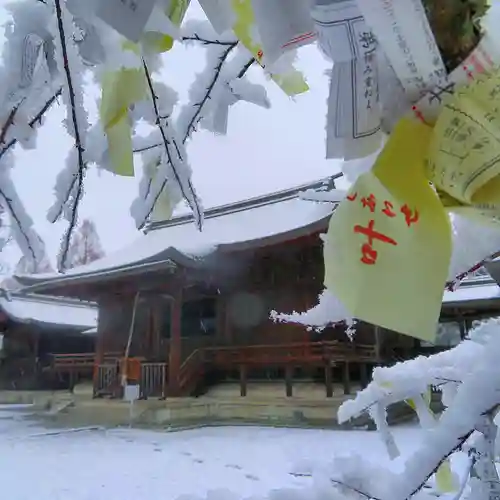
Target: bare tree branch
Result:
[[162, 123], [78, 179]]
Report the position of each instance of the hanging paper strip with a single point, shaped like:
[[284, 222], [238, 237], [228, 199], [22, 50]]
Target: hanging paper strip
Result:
[[283, 25], [464, 154], [129, 18], [219, 13], [163, 208], [291, 82], [160, 42], [446, 481], [452, 142], [404, 34], [388, 246], [120, 89], [353, 118]]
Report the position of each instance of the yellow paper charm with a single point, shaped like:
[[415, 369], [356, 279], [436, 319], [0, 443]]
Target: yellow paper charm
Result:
[[389, 243]]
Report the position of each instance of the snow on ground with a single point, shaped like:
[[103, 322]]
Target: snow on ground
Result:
[[130, 464]]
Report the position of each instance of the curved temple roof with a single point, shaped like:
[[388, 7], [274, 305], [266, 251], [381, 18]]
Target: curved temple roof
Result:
[[253, 223], [48, 311]]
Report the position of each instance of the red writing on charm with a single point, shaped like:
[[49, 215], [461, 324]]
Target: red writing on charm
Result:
[[418, 114], [352, 196], [411, 217], [369, 202], [369, 254], [389, 209]]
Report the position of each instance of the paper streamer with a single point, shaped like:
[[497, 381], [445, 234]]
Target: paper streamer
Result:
[[162, 40], [388, 246], [353, 117], [291, 82], [283, 25], [482, 59], [219, 13], [404, 34], [164, 207], [446, 481], [120, 89], [464, 154], [128, 17]]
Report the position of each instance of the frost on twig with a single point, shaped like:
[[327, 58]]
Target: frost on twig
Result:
[[166, 174], [69, 185], [174, 154]]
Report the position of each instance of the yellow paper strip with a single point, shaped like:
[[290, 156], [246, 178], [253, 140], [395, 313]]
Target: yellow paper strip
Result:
[[160, 42], [292, 83], [464, 154], [388, 245], [120, 89]]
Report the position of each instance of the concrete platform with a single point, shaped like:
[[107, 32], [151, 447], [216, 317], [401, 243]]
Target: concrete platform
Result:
[[265, 404]]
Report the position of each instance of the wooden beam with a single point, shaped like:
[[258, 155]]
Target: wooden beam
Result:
[[328, 380], [289, 381], [243, 380], [378, 340], [99, 355], [363, 374], [346, 378], [175, 345]]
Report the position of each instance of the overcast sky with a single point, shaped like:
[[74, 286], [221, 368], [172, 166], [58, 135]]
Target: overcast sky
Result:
[[265, 150]]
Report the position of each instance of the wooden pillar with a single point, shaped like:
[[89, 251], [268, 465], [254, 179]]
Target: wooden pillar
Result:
[[222, 323], [328, 380], [174, 354], [346, 378], [36, 352], [289, 381], [463, 327], [378, 346], [99, 357], [243, 380], [363, 374], [228, 325]]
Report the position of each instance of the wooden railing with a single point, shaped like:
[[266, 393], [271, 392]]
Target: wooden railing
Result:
[[154, 376], [301, 352], [108, 378], [80, 362], [153, 381], [191, 371]]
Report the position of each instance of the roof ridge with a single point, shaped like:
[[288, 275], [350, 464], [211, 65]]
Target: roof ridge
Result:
[[239, 206], [64, 301]]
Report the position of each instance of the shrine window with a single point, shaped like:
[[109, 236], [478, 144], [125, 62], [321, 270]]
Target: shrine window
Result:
[[199, 318]]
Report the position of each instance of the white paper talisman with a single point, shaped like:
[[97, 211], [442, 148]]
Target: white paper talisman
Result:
[[283, 25], [128, 17]]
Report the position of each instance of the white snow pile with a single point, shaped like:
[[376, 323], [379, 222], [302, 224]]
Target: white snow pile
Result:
[[468, 377]]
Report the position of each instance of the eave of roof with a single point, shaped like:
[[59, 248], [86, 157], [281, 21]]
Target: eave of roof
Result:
[[172, 257], [48, 312]]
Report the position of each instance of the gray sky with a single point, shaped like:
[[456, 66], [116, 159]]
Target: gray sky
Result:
[[265, 150]]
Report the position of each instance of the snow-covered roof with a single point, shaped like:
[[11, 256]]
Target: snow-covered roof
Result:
[[257, 222], [49, 311], [471, 291]]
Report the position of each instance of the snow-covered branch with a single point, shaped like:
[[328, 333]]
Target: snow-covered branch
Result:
[[200, 94], [469, 377], [174, 156], [69, 187], [220, 85], [329, 310]]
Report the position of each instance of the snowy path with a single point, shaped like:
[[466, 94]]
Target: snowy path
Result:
[[133, 464]]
